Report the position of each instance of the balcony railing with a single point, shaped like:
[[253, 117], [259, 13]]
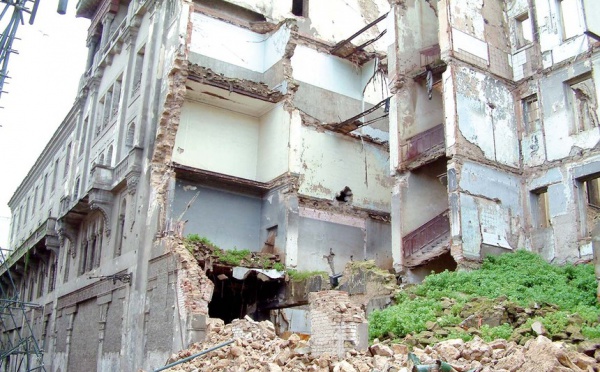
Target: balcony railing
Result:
[[422, 142], [48, 227], [422, 237], [132, 163]]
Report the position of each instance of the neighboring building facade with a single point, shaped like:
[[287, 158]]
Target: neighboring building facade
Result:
[[421, 134], [213, 113], [494, 132]]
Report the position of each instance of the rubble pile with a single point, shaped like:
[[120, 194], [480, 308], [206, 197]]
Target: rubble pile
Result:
[[258, 348]]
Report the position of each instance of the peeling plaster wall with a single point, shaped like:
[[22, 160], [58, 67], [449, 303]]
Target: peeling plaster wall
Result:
[[416, 112], [490, 213], [332, 161], [558, 113], [486, 117], [566, 239], [476, 32], [417, 28], [349, 238], [553, 46]]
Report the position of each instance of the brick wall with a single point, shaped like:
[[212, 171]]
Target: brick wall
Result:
[[336, 324]]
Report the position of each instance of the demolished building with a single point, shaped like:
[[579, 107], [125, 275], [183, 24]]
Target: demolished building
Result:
[[493, 131], [421, 134]]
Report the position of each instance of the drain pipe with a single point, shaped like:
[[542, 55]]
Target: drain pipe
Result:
[[195, 355]]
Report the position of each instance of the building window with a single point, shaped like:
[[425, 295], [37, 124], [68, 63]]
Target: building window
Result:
[[44, 185], [121, 229], [531, 113], [137, 74], [67, 262], [109, 156], [67, 160], [540, 208], [101, 159], [82, 138], [300, 8], [129, 138], [583, 101], [76, 189], [116, 97], [41, 275], [35, 200], [107, 109], [569, 14], [524, 30], [52, 277], [27, 206], [55, 175]]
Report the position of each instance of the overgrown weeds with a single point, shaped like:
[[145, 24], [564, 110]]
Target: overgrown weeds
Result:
[[557, 296]]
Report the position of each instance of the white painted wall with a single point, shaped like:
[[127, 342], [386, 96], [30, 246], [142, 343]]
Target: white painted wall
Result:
[[327, 72], [330, 162], [217, 140], [238, 46], [273, 140], [227, 142]]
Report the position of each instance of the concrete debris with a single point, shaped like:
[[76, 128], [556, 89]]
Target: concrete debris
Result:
[[258, 348]]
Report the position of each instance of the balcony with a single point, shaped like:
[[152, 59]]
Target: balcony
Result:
[[427, 242], [98, 194], [128, 171], [44, 236], [423, 148]]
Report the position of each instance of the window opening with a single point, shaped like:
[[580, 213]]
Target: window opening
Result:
[[531, 118], [569, 18], [300, 8], [583, 100], [524, 30], [541, 212]]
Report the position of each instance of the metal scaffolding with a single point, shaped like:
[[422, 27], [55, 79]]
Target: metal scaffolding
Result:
[[19, 349], [16, 10]]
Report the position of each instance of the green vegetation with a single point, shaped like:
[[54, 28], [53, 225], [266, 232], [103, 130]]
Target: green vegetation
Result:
[[298, 276], [562, 298], [233, 257], [278, 266]]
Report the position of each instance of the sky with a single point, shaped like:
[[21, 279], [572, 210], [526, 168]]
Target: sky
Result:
[[44, 77]]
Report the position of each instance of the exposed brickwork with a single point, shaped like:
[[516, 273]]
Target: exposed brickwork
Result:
[[337, 325]]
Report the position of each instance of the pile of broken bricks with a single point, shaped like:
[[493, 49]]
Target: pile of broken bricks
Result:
[[257, 347]]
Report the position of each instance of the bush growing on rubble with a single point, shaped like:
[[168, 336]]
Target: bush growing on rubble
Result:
[[522, 278]]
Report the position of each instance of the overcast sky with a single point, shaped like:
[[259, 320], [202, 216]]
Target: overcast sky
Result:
[[43, 85]]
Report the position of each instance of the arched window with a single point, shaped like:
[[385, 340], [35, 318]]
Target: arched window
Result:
[[109, 156], [120, 229], [101, 159], [130, 136]]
